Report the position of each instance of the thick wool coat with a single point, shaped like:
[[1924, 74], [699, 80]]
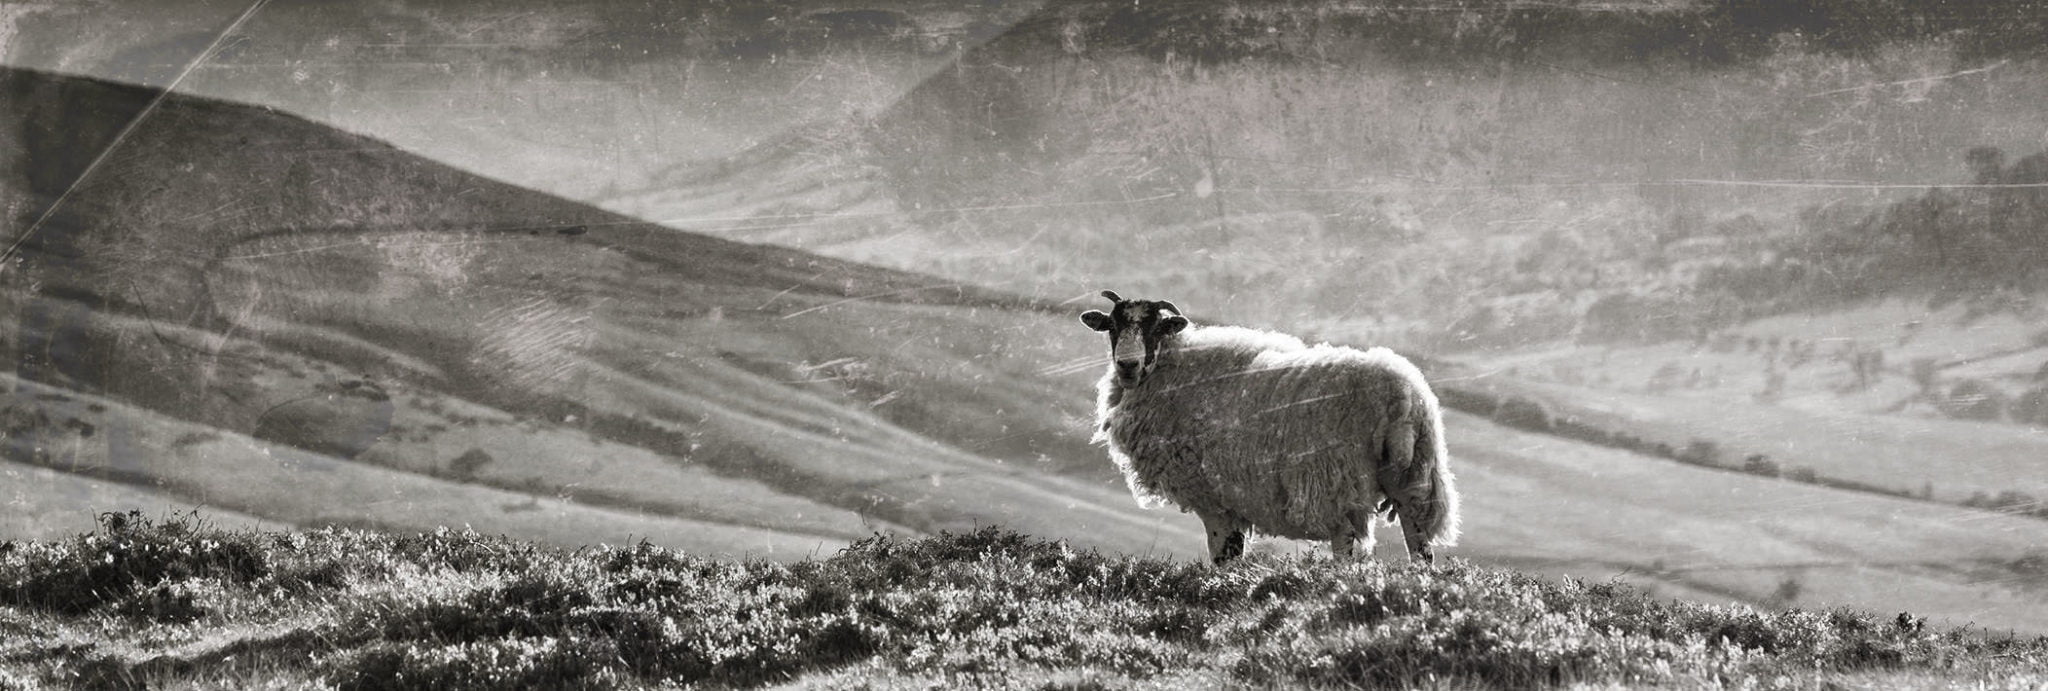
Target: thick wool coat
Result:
[[1287, 439]]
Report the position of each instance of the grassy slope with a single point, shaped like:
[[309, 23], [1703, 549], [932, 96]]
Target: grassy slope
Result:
[[1564, 507], [628, 368], [780, 411], [177, 605], [46, 504], [1393, 198], [200, 467], [1880, 436]]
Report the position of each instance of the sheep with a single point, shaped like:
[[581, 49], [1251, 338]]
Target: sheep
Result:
[[1254, 430]]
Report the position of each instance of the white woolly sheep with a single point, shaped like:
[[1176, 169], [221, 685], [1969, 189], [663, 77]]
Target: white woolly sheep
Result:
[[1255, 430]]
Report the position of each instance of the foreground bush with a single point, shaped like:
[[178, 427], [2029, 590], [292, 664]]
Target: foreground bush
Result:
[[141, 603]]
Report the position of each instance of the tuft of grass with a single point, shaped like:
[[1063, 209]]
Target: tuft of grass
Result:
[[140, 566], [143, 602]]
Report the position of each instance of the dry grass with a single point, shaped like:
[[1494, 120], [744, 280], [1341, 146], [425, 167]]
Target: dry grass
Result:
[[176, 603]]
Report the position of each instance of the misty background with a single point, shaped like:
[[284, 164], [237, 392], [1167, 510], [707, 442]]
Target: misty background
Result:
[[1726, 268]]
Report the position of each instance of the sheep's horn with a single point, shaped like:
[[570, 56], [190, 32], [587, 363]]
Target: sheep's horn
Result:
[[1169, 305], [1113, 297]]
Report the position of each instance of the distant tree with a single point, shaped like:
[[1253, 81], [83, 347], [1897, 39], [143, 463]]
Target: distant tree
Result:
[[1759, 464], [1774, 385], [1927, 224], [1524, 412], [2014, 501], [1788, 590], [1971, 399], [1925, 374], [1701, 452], [2030, 407], [1469, 400], [2034, 562], [1987, 164], [1575, 429], [1868, 366], [466, 465], [1664, 378], [2014, 210]]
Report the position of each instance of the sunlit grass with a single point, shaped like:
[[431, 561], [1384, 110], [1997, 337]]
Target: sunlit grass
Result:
[[177, 603]]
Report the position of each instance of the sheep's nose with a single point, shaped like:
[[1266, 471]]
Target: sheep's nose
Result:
[[1127, 370]]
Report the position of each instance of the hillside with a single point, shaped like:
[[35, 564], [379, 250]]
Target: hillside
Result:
[[1567, 508], [169, 604], [239, 294], [1299, 164], [378, 340], [1379, 171], [1932, 401]]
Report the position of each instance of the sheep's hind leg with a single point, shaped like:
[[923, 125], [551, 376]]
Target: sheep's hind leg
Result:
[[1226, 538]]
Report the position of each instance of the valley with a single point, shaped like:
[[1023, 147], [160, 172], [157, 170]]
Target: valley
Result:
[[760, 329]]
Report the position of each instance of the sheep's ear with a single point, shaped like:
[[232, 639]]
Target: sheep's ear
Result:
[[1172, 325], [1096, 320]]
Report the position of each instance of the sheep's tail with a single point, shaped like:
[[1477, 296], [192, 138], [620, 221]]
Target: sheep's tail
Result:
[[1432, 464]]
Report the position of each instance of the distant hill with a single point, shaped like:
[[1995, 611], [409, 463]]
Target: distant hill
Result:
[[246, 309], [294, 325]]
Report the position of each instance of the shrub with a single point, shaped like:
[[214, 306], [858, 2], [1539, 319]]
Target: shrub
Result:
[[1788, 590], [130, 555], [2014, 501], [1701, 452], [1926, 374], [469, 462], [1467, 399], [2034, 563], [2031, 407], [1971, 399], [456, 610], [1524, 412]]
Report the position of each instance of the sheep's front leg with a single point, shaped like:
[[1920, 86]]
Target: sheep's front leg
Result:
[[1226, 537], [1347, 545], [1418, 544]]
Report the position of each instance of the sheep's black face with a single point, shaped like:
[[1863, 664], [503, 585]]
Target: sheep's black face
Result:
[[1135, 328]]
